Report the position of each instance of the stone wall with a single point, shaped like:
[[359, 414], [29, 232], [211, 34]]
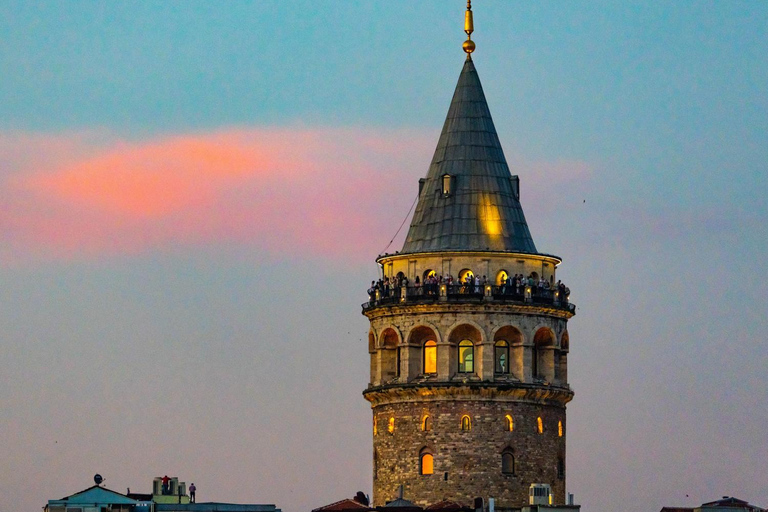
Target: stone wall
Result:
[[467, 464]]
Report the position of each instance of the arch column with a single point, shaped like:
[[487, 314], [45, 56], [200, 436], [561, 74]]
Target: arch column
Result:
[[486, 370], [527, 361]]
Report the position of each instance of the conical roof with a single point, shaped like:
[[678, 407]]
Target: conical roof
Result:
[[482, 209]]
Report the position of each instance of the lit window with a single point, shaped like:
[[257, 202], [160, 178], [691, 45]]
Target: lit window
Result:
[[430, 357], [447, 182], [464, 274], [426, 424], [560, 428], [466, 357], [501, 279], [427, 463], [508, 463], [539, 425], [375, 426], [466, 423], [502, 357], [391, 425], [509, 425]]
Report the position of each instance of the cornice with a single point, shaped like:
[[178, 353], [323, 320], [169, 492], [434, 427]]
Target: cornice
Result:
[[385, 311], [485, 391]]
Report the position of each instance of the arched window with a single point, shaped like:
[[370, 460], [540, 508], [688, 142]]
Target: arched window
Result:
[[375, 464], [391, 425], [501, 278], [507, 462], [430, 357], [426, 462], [560, 429], [501, 355], [539, 425], [426, 423], [466, 357], [375, 426], [509, 424], [429, 273], [466, 423]]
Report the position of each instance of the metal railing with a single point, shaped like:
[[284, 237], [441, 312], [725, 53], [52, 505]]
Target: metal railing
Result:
[[468, 293]]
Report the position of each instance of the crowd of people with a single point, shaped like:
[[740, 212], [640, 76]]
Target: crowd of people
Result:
[[470, 284]]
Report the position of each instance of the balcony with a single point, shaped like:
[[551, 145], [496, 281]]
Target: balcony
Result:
[[467, 294]]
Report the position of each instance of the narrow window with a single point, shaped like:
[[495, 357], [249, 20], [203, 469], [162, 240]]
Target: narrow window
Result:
[[375, 426], [427, 462], [509, 425], [560, 468], [466, 357], [375, 464], [466, 423], [508, 463], [447, 182], [391, 426], [539, 425], [502, 357], [397, 363], [560, 428], [426, 424], [430, 357]]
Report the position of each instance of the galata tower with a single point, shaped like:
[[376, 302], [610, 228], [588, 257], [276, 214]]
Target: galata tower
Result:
[[468, 339]]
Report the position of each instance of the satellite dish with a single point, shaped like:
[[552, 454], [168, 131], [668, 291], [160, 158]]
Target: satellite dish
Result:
[[98, 479]]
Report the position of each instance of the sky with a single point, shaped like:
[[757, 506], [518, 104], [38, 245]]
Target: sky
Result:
[[193, 194]]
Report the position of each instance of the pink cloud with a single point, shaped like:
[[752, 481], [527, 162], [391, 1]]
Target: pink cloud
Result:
[[286, 192], [326, 192]]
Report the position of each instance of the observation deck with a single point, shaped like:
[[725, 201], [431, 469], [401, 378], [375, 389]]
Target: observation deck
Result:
[[468, 294]]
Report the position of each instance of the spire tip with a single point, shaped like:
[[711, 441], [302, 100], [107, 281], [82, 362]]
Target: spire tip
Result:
[[469, 27]]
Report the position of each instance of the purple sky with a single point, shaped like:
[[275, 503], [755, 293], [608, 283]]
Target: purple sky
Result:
[[192, 197]]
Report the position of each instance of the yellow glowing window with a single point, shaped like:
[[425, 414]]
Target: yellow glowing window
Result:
[[375, 426], [464, 274], [508, 423], [539, 425], [466, 357], [426, 424], [466, 423], [501, 279], [560, 428], [447, 182], [427, 464], [391, 425], [430, 357]]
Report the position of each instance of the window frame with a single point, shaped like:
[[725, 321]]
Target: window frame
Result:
[[500, 345], [423, 454], [464, 344], [429, 345], [507, 455]]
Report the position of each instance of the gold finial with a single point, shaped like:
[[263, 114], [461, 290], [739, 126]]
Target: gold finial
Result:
[[469, 27]]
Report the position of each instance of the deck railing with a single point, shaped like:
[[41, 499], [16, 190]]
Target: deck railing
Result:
[[469, 293]]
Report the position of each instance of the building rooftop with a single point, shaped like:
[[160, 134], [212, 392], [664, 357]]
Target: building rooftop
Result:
[[469, 201]]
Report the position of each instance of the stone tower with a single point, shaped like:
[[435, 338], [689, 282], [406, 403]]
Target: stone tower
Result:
[[468, 382]]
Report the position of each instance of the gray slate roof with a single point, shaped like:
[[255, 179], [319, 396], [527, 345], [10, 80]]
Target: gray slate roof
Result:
[[483, 211]]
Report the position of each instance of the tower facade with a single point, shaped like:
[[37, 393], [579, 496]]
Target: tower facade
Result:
[[469, 371]]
